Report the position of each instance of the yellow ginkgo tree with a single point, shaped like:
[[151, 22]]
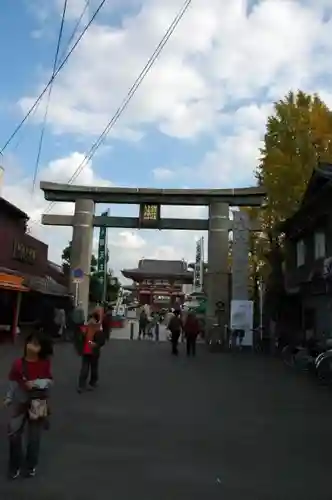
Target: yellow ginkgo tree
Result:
[[298, 136]]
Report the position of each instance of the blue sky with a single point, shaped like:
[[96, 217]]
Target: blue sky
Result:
[[197, 120]]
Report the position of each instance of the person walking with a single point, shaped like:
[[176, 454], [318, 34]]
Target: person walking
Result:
[[191, 330], [30, 379], [142, 323], [60, 321], [157, 321], [78, 320], [88, 346], [175, 327]]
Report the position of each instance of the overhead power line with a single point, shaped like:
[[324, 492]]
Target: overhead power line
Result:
[[76, 28], [63, 63], [48, 100], [129, 95], [67, 47]]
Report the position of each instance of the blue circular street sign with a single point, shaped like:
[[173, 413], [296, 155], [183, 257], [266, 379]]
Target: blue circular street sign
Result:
[[78, 273]]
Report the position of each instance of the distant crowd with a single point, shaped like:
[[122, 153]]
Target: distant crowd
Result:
[[184, 326]]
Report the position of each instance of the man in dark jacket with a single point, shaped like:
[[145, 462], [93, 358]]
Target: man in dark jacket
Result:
[[191, 331], [175, 327], [143, 323]]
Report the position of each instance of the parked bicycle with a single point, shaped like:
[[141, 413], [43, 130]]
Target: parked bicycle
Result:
[[323, 367], [297, 357], [311, 356]]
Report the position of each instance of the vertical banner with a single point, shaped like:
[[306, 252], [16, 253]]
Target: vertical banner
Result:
[[198, 274], [102, 256], [202, 265]]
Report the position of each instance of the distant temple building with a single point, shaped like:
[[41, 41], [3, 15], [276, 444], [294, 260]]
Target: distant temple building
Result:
[[159, 283]]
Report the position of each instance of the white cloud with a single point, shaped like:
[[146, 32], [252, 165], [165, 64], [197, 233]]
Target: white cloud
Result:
[[184, 212], [126, 247], [163, 174], [74, 8], [217, 55], [217, 77], [131, 240]]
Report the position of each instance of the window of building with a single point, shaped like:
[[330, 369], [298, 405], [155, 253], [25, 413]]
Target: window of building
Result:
[[320, 248], [300, 253]]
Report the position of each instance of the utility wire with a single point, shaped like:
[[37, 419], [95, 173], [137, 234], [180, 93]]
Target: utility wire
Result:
[[39, 98], [48, 100], [75, 30], [128, 97], [71, 38]]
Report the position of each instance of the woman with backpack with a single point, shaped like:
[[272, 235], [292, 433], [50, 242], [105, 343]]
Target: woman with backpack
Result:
[[30, 379]]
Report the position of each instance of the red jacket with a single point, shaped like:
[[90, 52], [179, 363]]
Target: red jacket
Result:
[[191, 327]]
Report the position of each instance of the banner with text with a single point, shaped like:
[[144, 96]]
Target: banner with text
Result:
[[199, 266], [102, 255]]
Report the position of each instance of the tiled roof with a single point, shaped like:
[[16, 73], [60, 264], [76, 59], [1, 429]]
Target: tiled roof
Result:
[[152, 267], [162, 266]]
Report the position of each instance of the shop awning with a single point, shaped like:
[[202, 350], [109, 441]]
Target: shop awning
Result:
[[45, 285], [12, 282]]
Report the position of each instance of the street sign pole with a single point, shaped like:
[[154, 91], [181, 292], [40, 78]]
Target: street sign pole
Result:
[[76, 294], [77, 277]]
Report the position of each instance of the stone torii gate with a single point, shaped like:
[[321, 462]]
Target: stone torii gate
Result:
[[150, 200]]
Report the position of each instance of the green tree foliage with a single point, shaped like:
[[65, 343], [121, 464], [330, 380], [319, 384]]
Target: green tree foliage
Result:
[[96, 286]]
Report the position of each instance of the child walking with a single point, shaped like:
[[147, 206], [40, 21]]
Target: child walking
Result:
[[30, 379]]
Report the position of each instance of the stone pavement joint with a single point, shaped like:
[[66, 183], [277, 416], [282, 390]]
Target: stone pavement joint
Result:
[[220, 426]]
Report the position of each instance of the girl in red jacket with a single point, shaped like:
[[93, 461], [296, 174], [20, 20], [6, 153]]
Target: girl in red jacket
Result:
[[30, 379]]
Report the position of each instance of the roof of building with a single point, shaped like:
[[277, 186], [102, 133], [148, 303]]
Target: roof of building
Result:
[[151, 267], [56, 267], [319, 183], [321, 177], [12, 210]]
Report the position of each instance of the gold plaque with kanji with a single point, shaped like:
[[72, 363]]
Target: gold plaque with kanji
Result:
[[149, 214]]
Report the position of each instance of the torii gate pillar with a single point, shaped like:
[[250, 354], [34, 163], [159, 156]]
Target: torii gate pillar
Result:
[[81, 250], [217, 273]]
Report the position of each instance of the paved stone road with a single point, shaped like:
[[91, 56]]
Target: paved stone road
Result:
[[218, 427]]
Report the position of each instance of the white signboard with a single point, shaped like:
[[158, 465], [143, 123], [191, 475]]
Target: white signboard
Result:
[[242, 317]]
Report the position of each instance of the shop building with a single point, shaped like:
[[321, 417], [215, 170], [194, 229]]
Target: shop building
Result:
[[28, 280]]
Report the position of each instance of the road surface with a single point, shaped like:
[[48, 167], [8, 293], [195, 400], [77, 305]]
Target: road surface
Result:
[[226, 427]]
